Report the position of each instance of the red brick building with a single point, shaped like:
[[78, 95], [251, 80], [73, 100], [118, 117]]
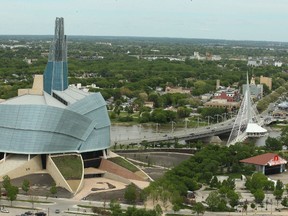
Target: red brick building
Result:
[[231, 95]]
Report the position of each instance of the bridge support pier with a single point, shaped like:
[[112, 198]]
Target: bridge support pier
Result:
[[213, 139]]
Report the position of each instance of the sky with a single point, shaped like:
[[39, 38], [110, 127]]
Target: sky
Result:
[[259, 20]]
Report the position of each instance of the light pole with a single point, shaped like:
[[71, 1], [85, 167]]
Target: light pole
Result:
[[208, 117], [172, 126], [218, 115], [225, 116], [140, 129], [186, 121], [157, 128], [271, 205]]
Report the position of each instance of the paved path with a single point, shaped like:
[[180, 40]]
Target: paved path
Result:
[[100, 184]]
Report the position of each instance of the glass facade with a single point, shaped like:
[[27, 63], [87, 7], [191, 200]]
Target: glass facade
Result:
[[32, 129], [81, 125]]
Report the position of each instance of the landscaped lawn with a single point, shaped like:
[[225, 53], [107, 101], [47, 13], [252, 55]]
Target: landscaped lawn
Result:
[[69, 165]]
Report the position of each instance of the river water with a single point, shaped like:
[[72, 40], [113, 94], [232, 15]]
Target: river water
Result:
[[120, 132], [272, 133]]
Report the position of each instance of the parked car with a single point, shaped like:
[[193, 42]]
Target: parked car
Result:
[[40, 214], [3, 210]]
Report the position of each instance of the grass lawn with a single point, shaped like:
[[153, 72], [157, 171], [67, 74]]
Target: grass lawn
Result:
[[69, 165], [121, 162]]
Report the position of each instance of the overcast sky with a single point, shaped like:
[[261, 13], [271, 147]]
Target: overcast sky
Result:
[[265, 20]]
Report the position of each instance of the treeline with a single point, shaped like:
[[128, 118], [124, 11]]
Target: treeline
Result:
[[213, 160], [121, 68]]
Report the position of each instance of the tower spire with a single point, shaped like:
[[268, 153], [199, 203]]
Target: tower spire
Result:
[[56, 72]]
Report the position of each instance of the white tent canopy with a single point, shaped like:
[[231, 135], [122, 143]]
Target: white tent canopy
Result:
[[255, 128]]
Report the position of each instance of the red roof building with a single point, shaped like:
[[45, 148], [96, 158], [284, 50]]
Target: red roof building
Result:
[[269, 163]]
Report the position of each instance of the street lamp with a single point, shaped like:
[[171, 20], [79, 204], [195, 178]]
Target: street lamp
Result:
[[172, 126], [157, 128], [208, 117], [225, 116], [218, 115], [186, 121]]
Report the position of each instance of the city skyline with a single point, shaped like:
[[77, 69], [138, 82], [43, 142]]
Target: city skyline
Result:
[[208, 19]]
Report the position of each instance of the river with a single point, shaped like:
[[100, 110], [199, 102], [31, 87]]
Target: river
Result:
[[120, 132]]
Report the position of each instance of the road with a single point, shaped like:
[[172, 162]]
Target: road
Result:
[[64, 205]]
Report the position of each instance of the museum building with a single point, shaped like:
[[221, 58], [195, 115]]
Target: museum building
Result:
[[52, 118]]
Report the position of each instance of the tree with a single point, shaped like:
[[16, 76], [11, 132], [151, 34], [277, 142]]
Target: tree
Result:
[[115, 208], [259, 195], [176, 208], [258, 181], [53, 189], [158, 210], [6, 182], [26, 185], [278, 192], [154, 97], [285, 201], [165, 198], [12, 192], [213, 200], [253, 206], [233, 198], [284, 135], [183, 112], [130, 194], [198, 208], [214, 183], [273, 144]]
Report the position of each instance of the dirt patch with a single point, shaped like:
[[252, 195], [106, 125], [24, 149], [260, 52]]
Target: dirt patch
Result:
[[40, 185], [154, 173], [107, 196]]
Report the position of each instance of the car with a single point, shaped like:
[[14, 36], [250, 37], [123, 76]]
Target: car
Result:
[[57, 211], [40, 214], [4, 210], [28, 213]]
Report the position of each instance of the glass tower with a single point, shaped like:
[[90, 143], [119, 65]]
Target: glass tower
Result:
[[56, 72]]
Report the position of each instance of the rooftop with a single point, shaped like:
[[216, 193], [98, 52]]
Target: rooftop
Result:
[[269, 159]]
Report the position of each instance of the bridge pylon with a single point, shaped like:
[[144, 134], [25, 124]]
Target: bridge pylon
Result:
[[247, 123]]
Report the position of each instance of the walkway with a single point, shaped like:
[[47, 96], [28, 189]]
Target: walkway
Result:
[[11, 163], [99, 184]]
